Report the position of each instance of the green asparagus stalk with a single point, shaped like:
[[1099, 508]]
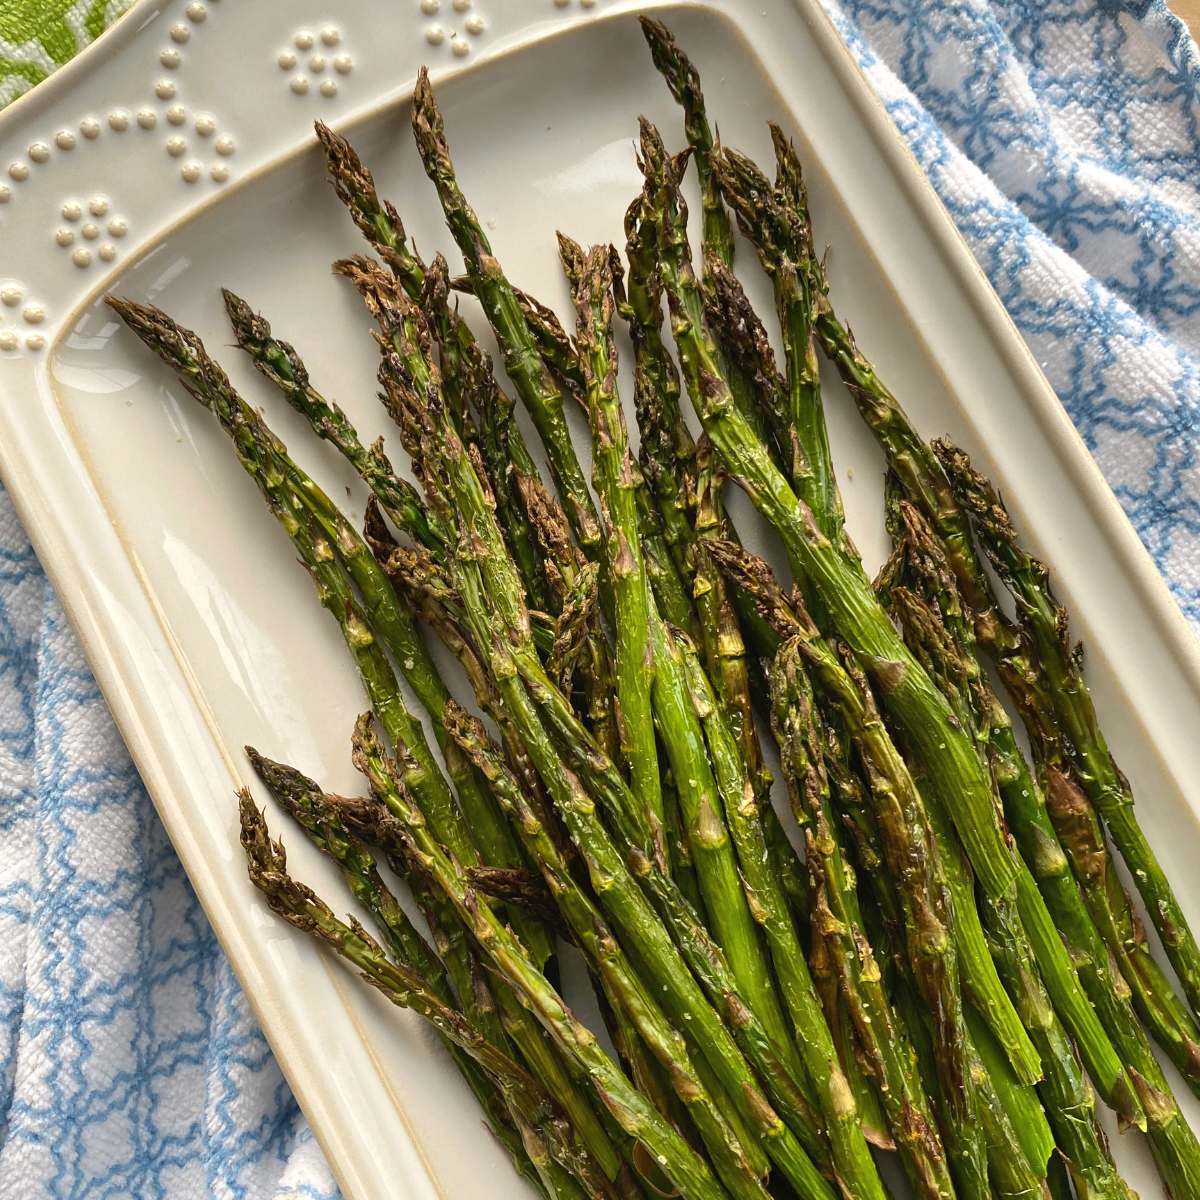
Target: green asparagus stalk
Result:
[[850, 1152], [1024, 940], [884, 1042], [500, 626], [744, 341], [1173, 1144], [530, 376], [608, 960], [667, 452], [534, 382], [926, 485], [686, 1170], [1009, 1121], [845, 1042], [265, 459], [382, 299], [1019, 1100], [1009, 1169], [616, 484], [908, 848], [280, 363], [774, 218], [461, 356], [304, 800], [402, 985], [684, 81], [946, 756], [1107, 788]]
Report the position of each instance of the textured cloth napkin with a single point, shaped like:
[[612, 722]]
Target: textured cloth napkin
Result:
[[1062, 136]]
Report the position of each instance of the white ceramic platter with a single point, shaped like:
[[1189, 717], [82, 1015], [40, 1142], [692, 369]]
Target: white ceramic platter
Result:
[[176, 155]]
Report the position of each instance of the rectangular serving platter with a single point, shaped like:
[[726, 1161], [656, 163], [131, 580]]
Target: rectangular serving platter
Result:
[[203, 632]]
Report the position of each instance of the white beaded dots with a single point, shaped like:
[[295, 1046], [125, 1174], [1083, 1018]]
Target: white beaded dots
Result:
[[459, 39], [39, 152], [306, 75], [90, 128], [190, 172], [118, 120], [196, 12], [99, 206], [64, 139], [12, 294], [18, 171]]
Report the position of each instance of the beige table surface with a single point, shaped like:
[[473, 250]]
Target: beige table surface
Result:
[[1189, 10]]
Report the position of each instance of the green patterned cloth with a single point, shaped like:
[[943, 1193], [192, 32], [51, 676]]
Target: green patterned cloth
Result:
[[38, 36]]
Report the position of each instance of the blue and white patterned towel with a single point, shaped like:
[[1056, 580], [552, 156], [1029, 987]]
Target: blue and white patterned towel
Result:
[[1061, 134]]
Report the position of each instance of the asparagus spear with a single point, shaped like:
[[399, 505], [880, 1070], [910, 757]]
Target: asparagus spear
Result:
[[616, 483], [1009, 1120], [908, 848], [925, 484], [884, 1042], [280, 363], [1173, 1144], [774, 218], [464, 361], [543, 1129], [1019, 1100], [686, 1170], [530, 376], [313, 523], [491, 594], [561, 560], [684, 81], [943, 752], [850, 1151], [609, 961], [667, 453], [727, 905], [1106, 786], [305, 801]]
